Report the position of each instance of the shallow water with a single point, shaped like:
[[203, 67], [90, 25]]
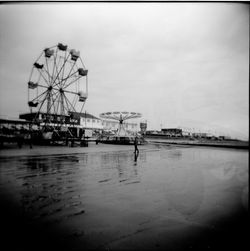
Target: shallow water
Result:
[[112, 200]]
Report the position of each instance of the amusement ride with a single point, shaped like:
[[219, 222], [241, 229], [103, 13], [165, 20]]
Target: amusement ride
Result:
[[57, 88], [57, 92], [122, 136]]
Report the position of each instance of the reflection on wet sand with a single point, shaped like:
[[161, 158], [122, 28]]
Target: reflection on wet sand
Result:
[[121, 200], [186, 185]]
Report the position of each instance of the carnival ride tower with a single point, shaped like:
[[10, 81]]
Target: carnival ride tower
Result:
[[121, 117]]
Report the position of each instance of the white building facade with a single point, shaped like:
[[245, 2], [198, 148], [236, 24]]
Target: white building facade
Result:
[[88, 121]]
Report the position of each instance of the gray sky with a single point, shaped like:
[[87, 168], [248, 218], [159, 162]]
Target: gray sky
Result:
[[183, 64]]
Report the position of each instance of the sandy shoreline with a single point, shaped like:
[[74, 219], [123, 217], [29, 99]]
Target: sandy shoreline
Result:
[[65, 150], [12, 149], [226, 144], [101, 198]]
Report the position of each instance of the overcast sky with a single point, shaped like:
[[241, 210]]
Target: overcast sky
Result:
[[182, 64]]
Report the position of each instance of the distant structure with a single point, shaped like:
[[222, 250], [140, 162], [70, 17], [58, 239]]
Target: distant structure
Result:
[[143, 127], [76, 122], [112, 125], [121, 117], [172, 132], [186, 133], [57, 87]]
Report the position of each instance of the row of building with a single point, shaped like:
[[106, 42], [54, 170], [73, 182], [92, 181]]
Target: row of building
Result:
[[178, 133], [88, 121], [80, 120]]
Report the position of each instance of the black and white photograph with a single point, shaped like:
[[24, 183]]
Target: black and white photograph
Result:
[[124, 125]]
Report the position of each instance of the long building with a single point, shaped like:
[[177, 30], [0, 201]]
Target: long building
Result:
[[172, 132], [79, 120]]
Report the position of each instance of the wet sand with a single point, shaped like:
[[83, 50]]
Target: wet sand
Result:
[[103, 198], [199, 142], [13, 150]]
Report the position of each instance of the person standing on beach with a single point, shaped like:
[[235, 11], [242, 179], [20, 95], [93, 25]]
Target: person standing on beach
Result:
[[136, 145]]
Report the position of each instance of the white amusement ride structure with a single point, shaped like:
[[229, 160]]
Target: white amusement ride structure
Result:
[[122, 136]]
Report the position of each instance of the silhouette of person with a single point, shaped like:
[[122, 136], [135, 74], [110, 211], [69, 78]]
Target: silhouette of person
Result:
[[136, 146]]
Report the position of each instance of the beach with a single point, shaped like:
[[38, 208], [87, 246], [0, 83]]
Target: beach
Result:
[[235, 144], [102, 197]]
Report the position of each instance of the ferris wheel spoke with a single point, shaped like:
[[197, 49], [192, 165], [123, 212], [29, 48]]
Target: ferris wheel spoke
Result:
[[57, 76], [58, 103], [74, 101], [42, 103], [68, 77], [76, 93], [55, 69], [37, 98], [41, 74], [69, 74], [82, 107], [71, 92], [69, 102], [54, 97], [54, 65], [72, 82], [63, 105], [49, 107], [63, 69], [47, 71], [56, 80], [42, 86], [65, 80], [67, 105]]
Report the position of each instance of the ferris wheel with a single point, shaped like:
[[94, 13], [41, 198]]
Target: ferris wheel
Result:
[[58, 84], [121, 117]]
